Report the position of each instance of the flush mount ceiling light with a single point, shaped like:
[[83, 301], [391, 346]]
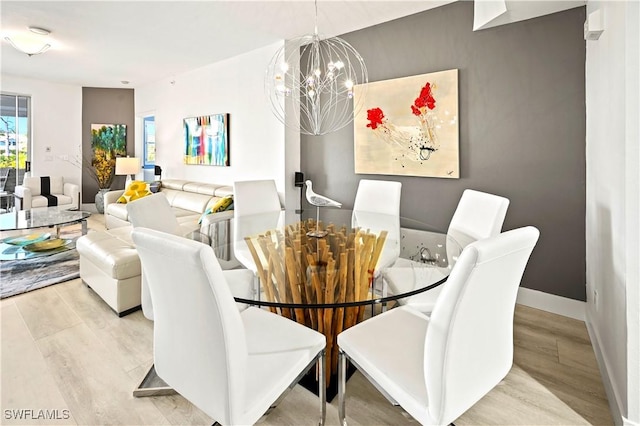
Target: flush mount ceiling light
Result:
[[33, 43], [310, 81], [40, 31]]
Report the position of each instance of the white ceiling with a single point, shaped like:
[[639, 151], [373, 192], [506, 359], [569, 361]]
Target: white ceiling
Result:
[[519, 10], [101, 43]]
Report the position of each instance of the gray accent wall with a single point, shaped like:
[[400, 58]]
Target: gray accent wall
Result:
[[104, 106], [522, 128]]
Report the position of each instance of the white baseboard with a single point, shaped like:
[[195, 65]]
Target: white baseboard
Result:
[[551, 303], [609, 388], [627, 422]]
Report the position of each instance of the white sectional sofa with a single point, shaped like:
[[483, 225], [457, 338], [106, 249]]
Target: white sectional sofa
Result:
[[109, 262], [188, 200]]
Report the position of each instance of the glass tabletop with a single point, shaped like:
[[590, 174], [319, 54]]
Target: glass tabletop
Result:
[[15, 250], [339, 260], [40, 217]]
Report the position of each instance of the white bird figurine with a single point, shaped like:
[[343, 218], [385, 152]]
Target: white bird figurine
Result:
[[319, 200]]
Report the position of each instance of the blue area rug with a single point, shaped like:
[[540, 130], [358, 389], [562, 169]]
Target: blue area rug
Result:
[[20, 276]]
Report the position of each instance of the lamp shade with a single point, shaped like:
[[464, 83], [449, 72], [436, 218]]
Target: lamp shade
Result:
[[127, 165]]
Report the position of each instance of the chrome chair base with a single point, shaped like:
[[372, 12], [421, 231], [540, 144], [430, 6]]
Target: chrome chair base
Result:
[[152, 385]]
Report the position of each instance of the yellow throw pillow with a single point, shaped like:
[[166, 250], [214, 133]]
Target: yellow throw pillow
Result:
[[222, 204], [219, 206], [136, 189]]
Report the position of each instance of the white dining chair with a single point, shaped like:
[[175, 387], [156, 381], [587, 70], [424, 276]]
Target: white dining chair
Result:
[[256, 208], [438, 367], [377, 207], [233, 365], [478, 215], [154, 212]]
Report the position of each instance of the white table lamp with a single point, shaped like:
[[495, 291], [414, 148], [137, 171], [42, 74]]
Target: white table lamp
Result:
[[129, 166]]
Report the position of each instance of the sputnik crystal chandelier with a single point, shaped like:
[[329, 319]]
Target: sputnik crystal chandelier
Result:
[[310, 82]]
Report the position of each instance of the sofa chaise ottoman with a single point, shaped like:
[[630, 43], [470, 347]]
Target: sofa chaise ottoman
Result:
[[110, 266]]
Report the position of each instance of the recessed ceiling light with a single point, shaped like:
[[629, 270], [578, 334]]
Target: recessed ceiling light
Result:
[[38, 30]]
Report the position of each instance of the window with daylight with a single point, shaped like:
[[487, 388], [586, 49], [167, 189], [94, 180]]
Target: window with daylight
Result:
[[15, 131]]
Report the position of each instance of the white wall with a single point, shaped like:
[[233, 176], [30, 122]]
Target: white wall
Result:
[[56, 120], [632, 68], [612, 213], [234, 86]]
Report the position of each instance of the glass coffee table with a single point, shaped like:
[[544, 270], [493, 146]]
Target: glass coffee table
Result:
[[43, 217], [14, 248]]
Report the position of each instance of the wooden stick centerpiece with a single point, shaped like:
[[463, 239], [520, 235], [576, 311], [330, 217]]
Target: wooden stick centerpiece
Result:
[[295, 268]]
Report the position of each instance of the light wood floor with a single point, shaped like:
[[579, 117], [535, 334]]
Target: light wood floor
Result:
[[64, 349]]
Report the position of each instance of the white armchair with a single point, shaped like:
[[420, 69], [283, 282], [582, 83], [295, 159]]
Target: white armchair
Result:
[[46, 191]]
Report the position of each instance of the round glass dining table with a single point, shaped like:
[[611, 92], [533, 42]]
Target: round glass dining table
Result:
[[325, 268]]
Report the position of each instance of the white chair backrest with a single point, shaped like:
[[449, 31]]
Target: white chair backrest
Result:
[[478, 215], [469, 341], [378, 196], [377, 207], [255, 196], [153, 212], [56, 184], [256, 208], [199, 339]]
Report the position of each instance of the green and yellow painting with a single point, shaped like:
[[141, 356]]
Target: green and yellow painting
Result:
[[108, 141]]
